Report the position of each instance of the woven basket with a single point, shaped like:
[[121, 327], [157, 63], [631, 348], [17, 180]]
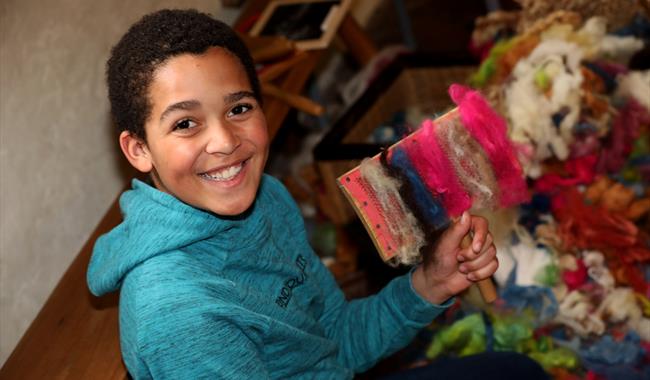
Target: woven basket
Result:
[[410, 81]]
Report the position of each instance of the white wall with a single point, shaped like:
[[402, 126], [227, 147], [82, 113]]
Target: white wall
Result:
[[59, 167]]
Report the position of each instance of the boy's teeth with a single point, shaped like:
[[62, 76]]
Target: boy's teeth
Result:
[[224, 175]]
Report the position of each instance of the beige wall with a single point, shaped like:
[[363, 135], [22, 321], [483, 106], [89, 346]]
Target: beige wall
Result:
[[58, 165]]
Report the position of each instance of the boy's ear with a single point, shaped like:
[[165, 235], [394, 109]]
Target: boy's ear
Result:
[[136, 151]]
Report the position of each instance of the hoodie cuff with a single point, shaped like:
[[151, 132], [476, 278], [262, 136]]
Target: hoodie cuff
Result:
[[414, 306]]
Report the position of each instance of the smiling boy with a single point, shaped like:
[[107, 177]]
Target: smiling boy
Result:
[[206, 140], [216, 277]]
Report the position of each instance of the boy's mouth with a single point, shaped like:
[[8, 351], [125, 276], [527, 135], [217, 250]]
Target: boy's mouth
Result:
[[224, 174]]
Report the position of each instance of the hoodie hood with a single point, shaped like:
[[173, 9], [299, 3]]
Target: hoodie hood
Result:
[[155, 223]]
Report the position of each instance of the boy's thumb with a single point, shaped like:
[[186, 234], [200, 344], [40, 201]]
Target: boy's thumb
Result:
[[459, 229]]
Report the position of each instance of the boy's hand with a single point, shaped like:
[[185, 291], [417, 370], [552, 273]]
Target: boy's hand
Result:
[[450, 270]]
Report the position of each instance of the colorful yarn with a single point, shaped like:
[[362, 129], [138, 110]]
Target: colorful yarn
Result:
[[549, 275], [574, 279], [531, 113], [490, 130], [559, 357], [608, 79], [584, 119], [530, 258], [512, 333], [635, 85], [637, 168], [437, 171], [400, 220], [536, 299], [644, 304], [576, 312], [471, 165], [586, 227], [628, 274], [489, 65], [469, 335], [625, 129], [522, 46], [609, 352], [465, 337], [580, 171], [432, 211], [597, 271]]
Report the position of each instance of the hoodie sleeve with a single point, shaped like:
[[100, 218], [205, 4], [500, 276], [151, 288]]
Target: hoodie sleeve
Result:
[[372, 328]]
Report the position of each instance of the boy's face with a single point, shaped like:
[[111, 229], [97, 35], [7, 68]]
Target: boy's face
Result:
[[207, 141]]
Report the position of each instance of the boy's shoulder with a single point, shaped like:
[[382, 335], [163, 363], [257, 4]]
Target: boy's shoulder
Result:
[[273, 190], [171, 279], [273, 187], [171, 299]]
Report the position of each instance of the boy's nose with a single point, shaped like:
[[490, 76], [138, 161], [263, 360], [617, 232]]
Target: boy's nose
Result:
[[223, 139]]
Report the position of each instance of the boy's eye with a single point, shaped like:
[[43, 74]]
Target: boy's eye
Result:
[[239, 109], [185, 124]]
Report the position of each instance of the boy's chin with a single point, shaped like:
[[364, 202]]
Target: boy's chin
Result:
[[233, 209]]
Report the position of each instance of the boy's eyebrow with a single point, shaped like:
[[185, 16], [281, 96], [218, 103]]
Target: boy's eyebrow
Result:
[[184, 105], [236, 96]]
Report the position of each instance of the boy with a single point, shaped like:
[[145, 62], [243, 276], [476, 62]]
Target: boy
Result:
[[215, 273]]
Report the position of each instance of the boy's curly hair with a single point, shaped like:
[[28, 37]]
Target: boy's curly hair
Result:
[[152, 41]]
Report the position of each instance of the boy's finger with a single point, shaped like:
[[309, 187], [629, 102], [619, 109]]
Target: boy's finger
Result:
[[480, 229], [458, 231], [478, 262], [485, 272], [470, 254]]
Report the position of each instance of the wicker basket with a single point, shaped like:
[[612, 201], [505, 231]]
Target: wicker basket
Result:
[[410, 81]]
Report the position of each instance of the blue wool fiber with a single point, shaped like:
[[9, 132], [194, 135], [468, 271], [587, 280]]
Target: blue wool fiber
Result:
[[608, 351], [430, 207], [537, 298]]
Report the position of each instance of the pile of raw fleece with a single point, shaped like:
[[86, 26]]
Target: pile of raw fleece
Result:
[[574, 262]]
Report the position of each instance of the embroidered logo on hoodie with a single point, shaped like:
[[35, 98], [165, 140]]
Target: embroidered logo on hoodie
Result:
[[287, 290]]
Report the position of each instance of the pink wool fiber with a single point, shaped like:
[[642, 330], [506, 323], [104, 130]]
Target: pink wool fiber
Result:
[[437, 172], [490, 130]]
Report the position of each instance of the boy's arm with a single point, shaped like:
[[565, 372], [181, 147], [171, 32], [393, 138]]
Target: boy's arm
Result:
[[368, 329], [374, 327]]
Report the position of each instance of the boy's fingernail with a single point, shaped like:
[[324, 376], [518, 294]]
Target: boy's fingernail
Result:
[[462, 269], [464, 218], [477, 247], [471, 277], [460, 258]]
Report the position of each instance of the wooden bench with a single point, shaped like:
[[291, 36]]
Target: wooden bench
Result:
[[75, 335]]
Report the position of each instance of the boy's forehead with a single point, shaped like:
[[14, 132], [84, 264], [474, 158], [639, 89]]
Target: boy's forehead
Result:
[[192, 61], [177, 76]]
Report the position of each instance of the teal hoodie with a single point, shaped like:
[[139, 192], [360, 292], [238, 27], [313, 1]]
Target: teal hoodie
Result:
[[203, 296]]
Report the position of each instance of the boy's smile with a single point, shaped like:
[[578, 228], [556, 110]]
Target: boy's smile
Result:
[[206, 139]]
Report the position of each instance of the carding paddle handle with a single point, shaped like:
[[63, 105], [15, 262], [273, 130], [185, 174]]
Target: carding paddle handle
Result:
[[486, 286]]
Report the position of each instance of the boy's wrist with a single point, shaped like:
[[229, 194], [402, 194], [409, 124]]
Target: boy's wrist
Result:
[[432, 291]]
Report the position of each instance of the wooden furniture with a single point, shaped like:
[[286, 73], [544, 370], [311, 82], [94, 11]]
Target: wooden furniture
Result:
[[292, 81], [75, 335]]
